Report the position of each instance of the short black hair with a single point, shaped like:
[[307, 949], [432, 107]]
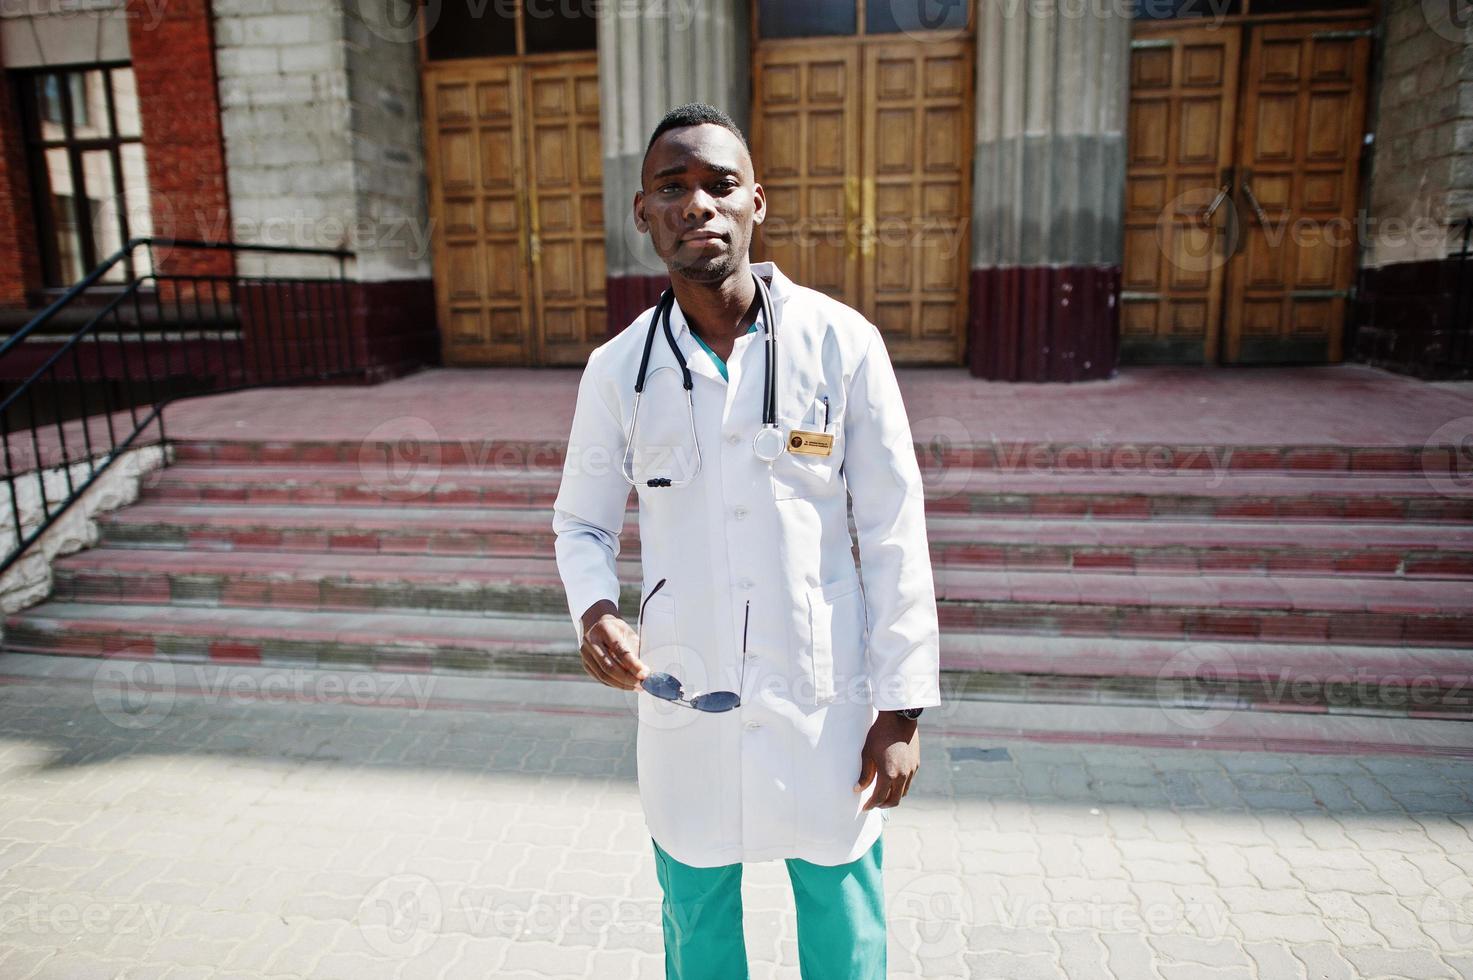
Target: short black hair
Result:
[[695, 114]]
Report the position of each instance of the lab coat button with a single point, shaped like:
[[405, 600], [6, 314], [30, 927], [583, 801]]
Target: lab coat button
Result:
[[745, 584], [752, 726], [733, 438], [740, 512]]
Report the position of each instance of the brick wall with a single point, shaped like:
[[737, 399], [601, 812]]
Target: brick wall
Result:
[[173, 56], [20, 263], [172, 53]]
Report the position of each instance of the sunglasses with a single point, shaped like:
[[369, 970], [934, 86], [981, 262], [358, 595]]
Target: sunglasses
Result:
[[667, 687]]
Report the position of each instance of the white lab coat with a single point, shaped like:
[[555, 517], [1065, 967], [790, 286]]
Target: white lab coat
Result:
[[773, 778]]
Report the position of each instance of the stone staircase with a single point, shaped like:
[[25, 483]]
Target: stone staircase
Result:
[[1309, 579]]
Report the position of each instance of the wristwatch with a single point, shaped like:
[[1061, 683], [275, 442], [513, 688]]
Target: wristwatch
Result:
[[911, 713]]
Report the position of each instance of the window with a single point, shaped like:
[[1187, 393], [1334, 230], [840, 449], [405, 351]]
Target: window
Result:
[[830, 18], [1185, 9], [915, 15], [815, 18], [490, 28], [88, 172]]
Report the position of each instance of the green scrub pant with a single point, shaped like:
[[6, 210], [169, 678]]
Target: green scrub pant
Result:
[[841, 919]]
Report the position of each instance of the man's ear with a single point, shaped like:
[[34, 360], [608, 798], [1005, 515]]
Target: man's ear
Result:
[[759, 213], [639, 223]]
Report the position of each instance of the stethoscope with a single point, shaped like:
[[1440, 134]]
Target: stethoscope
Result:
[[768, 444]]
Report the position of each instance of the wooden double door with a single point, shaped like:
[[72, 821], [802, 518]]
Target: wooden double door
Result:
[[1241, 236], [516, 195], [864, 147]]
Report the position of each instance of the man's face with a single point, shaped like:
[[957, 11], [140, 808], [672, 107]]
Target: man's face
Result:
[[699, 202]]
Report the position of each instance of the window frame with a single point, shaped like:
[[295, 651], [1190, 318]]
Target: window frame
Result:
[[519, 50], [861, 26], [28, 84]]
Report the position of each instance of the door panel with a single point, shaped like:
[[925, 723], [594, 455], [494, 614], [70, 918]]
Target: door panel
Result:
[[473, 142], [566, 202], [805, 138], [864, 149], [1304, 96], [1267, 278], [1180, 151], [915, 196], [519, 262]]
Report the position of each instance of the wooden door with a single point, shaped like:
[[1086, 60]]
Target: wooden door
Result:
[[516, 197], [806, 142], [473, 148], [864, 146], [916, 201], [1304, 100], [566, 227], [1179, 230]]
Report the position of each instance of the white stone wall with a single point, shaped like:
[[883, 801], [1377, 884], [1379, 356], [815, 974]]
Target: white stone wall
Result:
[[1422, 115], [34, 33], [28, 581], [320, 114]]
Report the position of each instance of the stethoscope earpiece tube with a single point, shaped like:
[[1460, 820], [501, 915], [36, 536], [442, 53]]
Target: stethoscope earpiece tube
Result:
[[769, 387], [768, 444]]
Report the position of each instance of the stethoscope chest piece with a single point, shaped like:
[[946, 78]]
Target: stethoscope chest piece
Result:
[[768, 443]]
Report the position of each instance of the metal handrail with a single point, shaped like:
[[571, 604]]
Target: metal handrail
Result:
[[261, 353]]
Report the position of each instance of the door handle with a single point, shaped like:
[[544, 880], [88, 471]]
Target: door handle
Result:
[[1205, 215], [853, 218], [1258, 211], [527, 243], [867, 202], [534, 228]]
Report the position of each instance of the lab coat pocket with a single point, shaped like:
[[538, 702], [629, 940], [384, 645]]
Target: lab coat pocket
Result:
[[805, 474], [836, 629]]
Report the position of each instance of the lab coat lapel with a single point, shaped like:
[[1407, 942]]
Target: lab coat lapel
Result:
[[696, 359]]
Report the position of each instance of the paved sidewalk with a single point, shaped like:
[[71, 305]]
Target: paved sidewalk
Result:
[[283, 825]]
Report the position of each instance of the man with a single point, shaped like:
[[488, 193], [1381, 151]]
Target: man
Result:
[[749, 579]]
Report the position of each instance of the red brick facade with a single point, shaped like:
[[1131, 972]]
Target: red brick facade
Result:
[[20, 262], [173, 55], [172, 52]]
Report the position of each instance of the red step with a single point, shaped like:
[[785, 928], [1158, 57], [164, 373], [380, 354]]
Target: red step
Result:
[[1230, 494], [1288, 609], [1184, 678], [1193, 547], [1083, 579], [1279, 608], [1003, 456]]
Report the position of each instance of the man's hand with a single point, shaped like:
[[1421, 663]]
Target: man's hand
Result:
[[892, 752], [610, 648]]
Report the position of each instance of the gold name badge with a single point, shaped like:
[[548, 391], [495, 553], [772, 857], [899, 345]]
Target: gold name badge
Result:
[[811, 443]]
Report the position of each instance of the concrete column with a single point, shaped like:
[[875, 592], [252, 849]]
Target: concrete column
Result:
[[1048, 188], [320, 113], [650, 60]]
